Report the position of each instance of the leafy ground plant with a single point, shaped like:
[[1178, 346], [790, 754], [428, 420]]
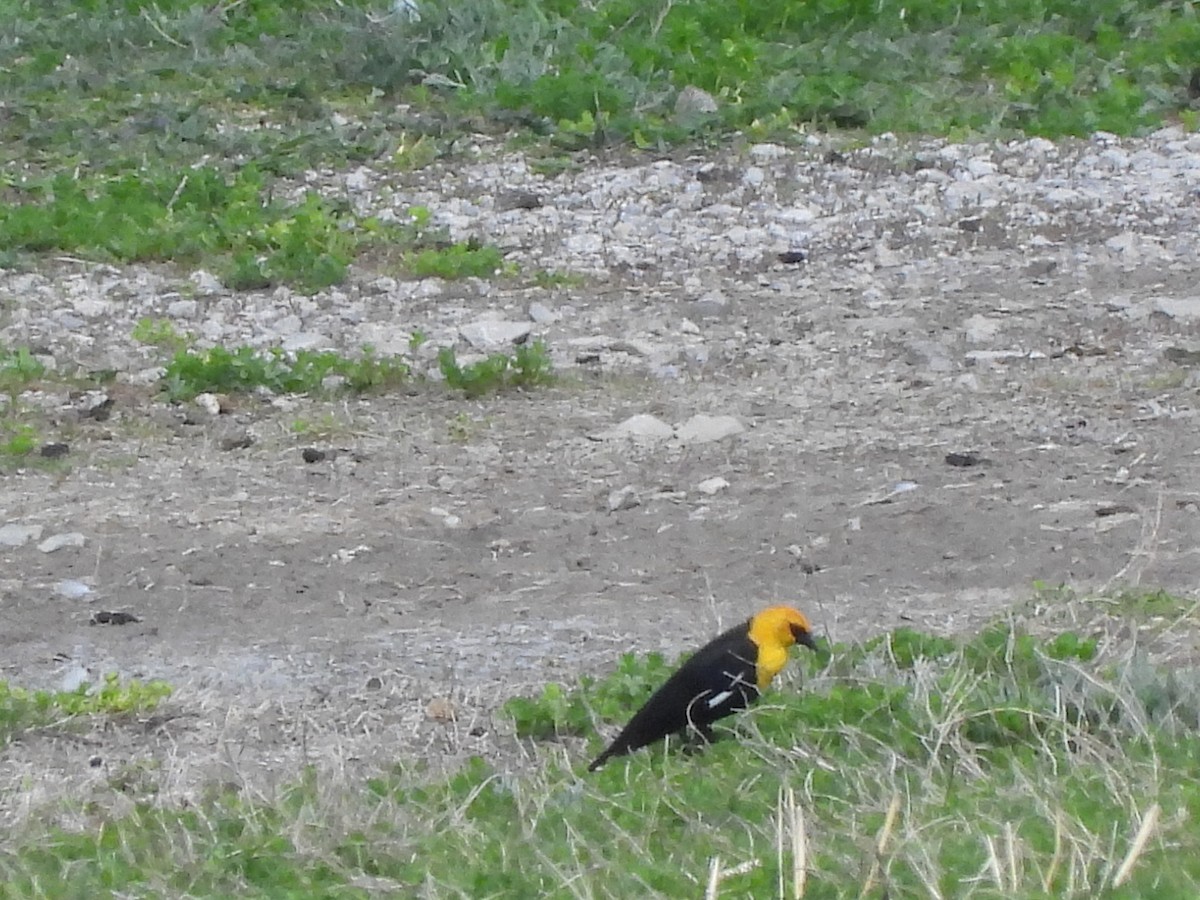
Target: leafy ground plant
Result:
[[466, 260], [529, 365], [22, 709], [197, 215], [1002, 766], [220, 370]]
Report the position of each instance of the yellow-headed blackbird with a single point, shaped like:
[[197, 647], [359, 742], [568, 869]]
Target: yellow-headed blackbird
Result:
[[724, 676]]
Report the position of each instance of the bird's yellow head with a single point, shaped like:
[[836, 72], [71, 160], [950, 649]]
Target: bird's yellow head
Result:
[[781, 626]]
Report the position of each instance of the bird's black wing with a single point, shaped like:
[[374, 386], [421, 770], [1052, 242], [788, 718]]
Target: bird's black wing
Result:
[[717, 680]]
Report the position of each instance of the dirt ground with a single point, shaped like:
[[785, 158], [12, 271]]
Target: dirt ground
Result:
[[378, 606]]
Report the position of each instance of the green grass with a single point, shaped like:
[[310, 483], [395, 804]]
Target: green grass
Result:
[[466, 260], [18, 369], [189, 371], [301, 84], [529, 366], [245, 369], [196, 216], [1001, 766], [137, 131], [22, 709]]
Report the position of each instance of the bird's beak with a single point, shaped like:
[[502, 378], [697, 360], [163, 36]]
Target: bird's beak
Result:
[[805, 637]]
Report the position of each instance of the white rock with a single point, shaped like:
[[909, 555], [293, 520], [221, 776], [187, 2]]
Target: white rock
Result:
[[206, 282], [765, 152], [490, 334], [75, 677], [712, 486], [182, 309], [703, 429], [623, 498], [306, 340], [14, 535], [542, 314], [209, 403], [980, 329], [71, 589], [58, 541], [642, 427], [1187, 308]]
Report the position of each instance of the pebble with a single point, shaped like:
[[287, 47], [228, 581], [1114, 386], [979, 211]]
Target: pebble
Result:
[[57, 541], [494, 334], [704, 429], [638, 427], [14, 535], [710, 486]]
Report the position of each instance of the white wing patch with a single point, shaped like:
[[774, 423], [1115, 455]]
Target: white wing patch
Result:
[[717, 699]]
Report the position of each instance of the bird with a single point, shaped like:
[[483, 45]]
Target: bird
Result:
[[724, 676]]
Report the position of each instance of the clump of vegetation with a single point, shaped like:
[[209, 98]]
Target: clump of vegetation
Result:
[[245, 369], [18, 369], [17, 439], [22, 709], [530, 365], [464, 260], [193, 216]]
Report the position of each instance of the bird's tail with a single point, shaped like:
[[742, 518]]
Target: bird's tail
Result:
[[600, 760]]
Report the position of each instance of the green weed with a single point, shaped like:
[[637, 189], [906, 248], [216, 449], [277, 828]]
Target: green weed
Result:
[[192, 216], [22, 709], [466, 260], [160, 333], [530, 365], [245, 369], [18, 369], [18, 440]]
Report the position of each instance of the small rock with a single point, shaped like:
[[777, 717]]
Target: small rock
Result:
[[104, 617], [1183, 308], [693, 103], [964, 460], [306, 340], [767, 152], [624, 498], [886, 257], [518, 200], [639, 427], [209, 403], [793, 257], [312, 455], [236, 439], [440, 709], [70, 589], [182, 309], [491, 334], [711, 306], [712, 486], [703, 429], [75, 677], [542, 314], [374, 683], [95, 405], [980, 329], [58, 541], [206, 282]]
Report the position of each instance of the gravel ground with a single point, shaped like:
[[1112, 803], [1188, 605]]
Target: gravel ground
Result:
[[894, 384]]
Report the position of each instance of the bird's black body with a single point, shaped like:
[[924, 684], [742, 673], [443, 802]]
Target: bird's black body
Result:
[[720, 679]]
